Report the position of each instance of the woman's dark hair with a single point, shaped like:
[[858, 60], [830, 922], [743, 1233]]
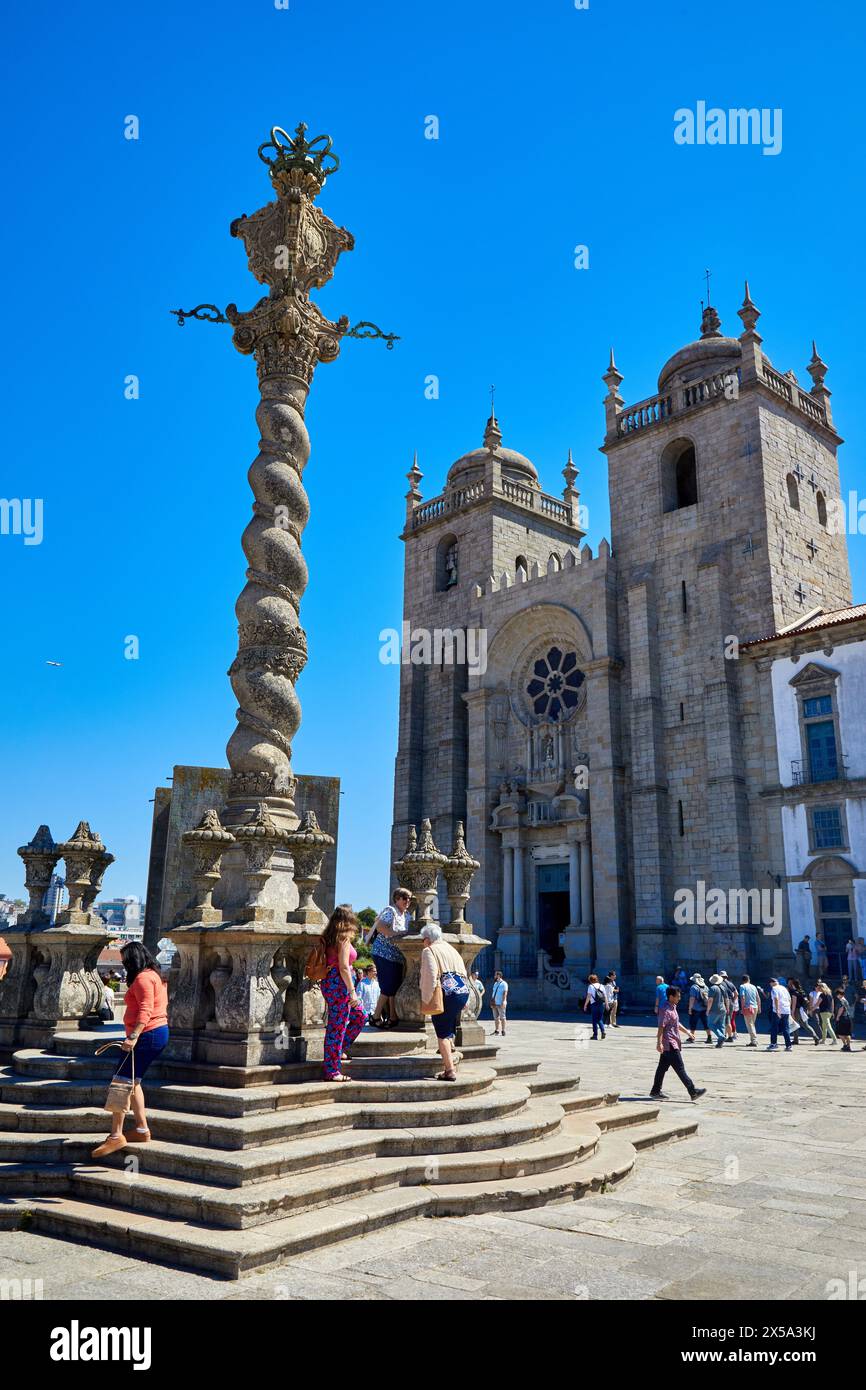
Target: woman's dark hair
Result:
[[135, 958], [343, 922]]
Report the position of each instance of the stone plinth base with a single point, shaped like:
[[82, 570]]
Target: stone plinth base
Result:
[[238, 996], [52, 983]]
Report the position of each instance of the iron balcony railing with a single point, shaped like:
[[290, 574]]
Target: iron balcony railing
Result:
[[804, 773]]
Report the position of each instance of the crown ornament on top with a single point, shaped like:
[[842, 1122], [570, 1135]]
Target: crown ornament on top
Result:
[[298, 163]]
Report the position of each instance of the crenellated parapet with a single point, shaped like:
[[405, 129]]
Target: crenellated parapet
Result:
[[556, 566]]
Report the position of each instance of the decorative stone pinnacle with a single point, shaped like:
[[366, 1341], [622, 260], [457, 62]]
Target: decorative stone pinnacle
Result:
[[298, 163], [40, 857], [86, 860], [419, 870], [414, 476], [209, 830], [260, 826], [817, 369], [749, 312], [457, 871], [569, 472], [612, 377], [308, 845], [492, 435], [711, 324]]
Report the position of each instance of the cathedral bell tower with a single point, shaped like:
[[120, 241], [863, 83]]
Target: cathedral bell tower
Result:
[[720, 486]]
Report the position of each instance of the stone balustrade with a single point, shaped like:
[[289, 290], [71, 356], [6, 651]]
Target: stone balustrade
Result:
[[657, 409], [457, 499]]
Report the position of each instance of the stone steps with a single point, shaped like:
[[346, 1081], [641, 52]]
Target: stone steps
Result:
[[235, 1167], [23, 1090], [35, 1064], [447, 1106], [240, 1176], [256, 1204], [233, 1252]]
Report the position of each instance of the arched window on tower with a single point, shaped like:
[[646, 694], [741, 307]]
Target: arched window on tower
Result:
[[679, 476], [446, 563], [557, 560], [821, 503], [793, 492], [521, 565]]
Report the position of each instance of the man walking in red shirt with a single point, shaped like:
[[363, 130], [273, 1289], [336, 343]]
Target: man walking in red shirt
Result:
[[669, 1048]]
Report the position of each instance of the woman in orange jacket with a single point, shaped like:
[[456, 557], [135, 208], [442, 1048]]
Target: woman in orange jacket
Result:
[[146, 1025]]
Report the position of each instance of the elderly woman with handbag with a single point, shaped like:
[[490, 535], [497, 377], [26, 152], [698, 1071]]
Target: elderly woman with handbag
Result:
[[444, 993], [146, 1025]]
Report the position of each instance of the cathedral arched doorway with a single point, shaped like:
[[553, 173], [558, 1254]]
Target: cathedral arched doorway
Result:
[[553, 909]]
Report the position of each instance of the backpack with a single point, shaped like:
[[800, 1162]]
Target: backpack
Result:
[[317, 963], [701, 998]]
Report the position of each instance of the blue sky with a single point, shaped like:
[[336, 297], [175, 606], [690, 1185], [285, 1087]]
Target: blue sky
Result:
[[556, 129]]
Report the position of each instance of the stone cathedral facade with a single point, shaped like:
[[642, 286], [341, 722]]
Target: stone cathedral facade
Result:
[[612, 749]]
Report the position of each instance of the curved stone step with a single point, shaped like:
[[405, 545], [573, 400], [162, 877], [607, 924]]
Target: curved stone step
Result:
[[240, 1208], [34, 1063], [663, 1131], [233, 1253], [234, 1168], [613, 1158], [59, 1092], [218, 1251]]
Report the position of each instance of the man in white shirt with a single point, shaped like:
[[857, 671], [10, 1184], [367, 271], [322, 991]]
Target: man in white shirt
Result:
[[780, 1015], [499, 1002]]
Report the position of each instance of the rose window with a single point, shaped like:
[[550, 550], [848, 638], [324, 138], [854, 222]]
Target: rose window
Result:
[[553, 689]]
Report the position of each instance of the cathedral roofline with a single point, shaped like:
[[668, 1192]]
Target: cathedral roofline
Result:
[[715, 366], [812, 627]]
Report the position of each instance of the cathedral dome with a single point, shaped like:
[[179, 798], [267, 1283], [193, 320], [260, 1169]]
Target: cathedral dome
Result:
[[515, 467], [710, 353]]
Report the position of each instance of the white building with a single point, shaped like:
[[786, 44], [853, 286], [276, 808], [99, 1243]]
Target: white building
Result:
[[817, 679]]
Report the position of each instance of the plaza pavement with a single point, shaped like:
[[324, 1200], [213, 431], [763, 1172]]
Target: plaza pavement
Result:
[[767, 1201]]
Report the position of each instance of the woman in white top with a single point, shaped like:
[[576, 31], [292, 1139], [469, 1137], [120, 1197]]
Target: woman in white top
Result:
[[444, 993]]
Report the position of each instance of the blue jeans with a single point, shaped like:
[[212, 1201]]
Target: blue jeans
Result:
[[779, 1024], [716, 1024], [596, 1013], [147, 1050]]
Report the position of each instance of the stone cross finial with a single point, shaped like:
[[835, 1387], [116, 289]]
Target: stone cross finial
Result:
[[711, 324], [492, 435]]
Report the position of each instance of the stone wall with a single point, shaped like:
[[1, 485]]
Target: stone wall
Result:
[[195, 790]]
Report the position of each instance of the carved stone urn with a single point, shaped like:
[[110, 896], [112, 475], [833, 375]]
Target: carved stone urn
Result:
[[206, 845], [258, 841], [457, 871], [308, 845], [419, 870], [52, 982], [40, 857]]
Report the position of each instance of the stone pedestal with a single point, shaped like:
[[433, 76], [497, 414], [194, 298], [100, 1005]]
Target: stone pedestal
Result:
[[408, 998], [238, 997], [52, 983]]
